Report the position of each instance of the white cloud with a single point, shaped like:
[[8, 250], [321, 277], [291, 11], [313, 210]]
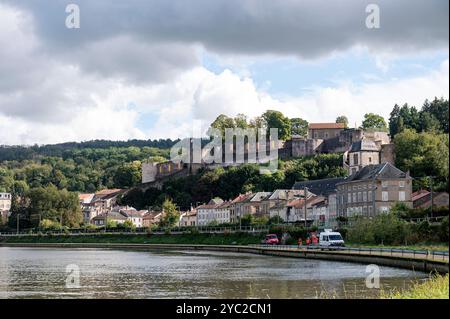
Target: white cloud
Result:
[[100, 91]]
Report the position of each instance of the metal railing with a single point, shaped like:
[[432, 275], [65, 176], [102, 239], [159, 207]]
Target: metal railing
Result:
[[393, 252], [141, 231]]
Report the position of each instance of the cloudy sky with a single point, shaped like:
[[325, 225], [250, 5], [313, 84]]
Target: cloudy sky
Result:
[[150, 68]]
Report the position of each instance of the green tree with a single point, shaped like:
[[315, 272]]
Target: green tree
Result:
[[170, 214], [240, 121], [423, 154], [276, 119], [342, 119], [52, 204], [128, 175], [223, 122], [299, 127], [438, 109], [374, 121]]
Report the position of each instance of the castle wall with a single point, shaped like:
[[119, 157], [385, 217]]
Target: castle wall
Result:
[[305, 147], [387, 154]]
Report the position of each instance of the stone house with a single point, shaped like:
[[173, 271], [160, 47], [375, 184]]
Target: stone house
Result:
[[206, 213], [151, 218], [324, 131], [237, 207], [5, 207], [373, 190], [422, 199], [367, 151], [104, 218], [188, 219]]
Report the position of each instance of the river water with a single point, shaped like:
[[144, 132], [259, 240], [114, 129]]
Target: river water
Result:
[[103, 273]]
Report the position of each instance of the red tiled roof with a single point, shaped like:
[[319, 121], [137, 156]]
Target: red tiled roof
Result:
[[326, 125], [85, 196], [419, 194], [104, 192]]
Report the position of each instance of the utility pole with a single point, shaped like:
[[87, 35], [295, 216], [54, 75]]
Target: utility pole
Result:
[[305, 194], [431, 194]]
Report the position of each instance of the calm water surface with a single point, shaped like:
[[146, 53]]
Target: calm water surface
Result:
[[41, 273]]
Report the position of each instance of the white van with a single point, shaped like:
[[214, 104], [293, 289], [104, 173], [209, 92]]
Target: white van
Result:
[[329, 238]]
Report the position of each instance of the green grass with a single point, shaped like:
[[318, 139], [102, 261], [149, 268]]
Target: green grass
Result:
[[435, 288], [205, 239], [421, 246]]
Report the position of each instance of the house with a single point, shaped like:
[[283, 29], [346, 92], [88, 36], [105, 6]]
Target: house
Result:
[[5, 207], [188, 219], [106, 199], [222, 213], [237, 207], [151, 218], [423, 198], [89, 211], [258, 204], [362, 153], [86, 199], [206, 213], [372, 190], [136, 217], [278, 210], [317, 210], [93, 205], [370, 150], [323, 187], [104, 218], [324, 130], [295, 210]]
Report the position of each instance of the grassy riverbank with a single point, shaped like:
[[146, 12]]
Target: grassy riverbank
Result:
[[420, 246], [435, 288], [201, 239]]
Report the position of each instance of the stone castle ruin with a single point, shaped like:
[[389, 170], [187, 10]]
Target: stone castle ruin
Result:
[[360, 148]]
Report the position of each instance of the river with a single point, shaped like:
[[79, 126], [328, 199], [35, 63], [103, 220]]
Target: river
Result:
[[104, 273]]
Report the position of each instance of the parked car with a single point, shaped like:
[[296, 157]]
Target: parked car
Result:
[[271, 239], [330, 238]]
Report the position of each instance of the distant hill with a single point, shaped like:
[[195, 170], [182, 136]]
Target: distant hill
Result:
[[19, 153]]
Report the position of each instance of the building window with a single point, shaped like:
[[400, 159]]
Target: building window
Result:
[[384, 209], [370, 210], [364, 196], [384, 184], [354, 197], [355, 159], [349, 198], [401, 184], [384, 196], [369, 193], [401, 196], [359, 197], [370, 159]]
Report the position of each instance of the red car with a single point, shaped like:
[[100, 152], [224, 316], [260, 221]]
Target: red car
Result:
[[271, 239]]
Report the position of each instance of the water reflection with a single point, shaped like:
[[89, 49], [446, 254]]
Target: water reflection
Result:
[[40, 273]]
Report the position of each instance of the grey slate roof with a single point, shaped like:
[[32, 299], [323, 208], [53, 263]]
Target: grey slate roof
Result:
[[364, 145], [381, 171], [322, 187]]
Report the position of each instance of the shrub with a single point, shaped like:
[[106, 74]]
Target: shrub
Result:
[[48, 224]]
